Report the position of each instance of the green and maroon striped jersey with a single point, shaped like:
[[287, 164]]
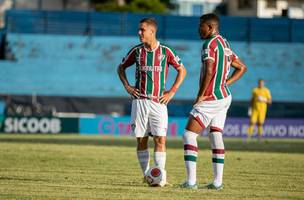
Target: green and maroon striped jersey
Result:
[[151, 68], [217, 49]]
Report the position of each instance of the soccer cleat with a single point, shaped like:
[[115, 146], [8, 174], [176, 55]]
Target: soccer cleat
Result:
[[186, 185], [211, 186]]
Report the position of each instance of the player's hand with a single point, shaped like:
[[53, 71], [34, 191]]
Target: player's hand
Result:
[[167, 96], [200, 99], [249, 111], [262, 99], [133, 91]]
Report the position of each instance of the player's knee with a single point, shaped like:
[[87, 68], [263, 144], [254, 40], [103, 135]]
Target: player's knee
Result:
[[142, 147], [142, 143], [159, 144], [160, 140]]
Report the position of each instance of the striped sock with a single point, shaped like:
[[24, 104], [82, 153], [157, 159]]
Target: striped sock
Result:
[[190, 155], [218, 156], [144, 160], [160, 159]]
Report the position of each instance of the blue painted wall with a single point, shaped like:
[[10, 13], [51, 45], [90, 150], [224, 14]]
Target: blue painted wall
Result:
[[86, 66]]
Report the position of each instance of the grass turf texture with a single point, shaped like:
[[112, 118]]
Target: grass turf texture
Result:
[[98, 167]]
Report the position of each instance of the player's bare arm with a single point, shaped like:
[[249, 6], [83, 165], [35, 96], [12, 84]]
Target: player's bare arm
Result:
[[134, 92], [205, 81], [168, 95], [239, 69]]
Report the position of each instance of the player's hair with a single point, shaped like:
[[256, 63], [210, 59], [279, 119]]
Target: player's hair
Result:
[[210, 18], [149, 20]]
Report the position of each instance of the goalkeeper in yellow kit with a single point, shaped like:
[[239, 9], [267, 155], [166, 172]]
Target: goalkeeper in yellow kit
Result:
[[260, 98]]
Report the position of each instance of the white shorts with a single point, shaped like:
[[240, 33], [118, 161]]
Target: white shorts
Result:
[[212, 114], [147, 117]]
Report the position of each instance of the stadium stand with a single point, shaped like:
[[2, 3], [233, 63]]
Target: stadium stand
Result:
[[75, 55], [248, 29], [81, 66]]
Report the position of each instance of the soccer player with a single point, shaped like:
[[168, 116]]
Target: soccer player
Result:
[[260, 98], [212, 101], [149, 113]]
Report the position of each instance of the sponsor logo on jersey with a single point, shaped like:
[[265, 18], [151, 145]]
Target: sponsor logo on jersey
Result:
[[151, 68]]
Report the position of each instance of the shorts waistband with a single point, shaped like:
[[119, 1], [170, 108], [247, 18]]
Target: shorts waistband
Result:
[[155, 99]]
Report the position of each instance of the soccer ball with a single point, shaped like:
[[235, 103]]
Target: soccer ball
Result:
[[156, 177]]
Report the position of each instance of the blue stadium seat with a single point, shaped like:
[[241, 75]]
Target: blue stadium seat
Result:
[[275, 30], [131, 23], [100, 23], [174, 27], [235, 28], [181, 27], [25, 21], [66, 22], [297, 30]]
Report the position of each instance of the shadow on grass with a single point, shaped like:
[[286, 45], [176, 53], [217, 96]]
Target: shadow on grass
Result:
[[231, 144]]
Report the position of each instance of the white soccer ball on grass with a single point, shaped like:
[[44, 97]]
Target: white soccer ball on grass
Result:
[[156, 177]]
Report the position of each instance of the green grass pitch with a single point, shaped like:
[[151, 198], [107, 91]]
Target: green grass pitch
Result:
[[104, 167]]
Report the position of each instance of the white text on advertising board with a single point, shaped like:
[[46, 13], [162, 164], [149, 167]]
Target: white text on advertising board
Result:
[[32, 125]]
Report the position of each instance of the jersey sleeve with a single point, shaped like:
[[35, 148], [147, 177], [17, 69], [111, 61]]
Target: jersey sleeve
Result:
[[233, 56], [268, 95], [208, 52], [173, 58], [129, 59]]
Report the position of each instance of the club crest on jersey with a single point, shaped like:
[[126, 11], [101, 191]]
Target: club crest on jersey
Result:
[[161, 57]]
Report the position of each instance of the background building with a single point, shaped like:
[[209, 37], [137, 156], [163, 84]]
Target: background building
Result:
[[52, 4], [253, 8], [4, 5], [265, 8], [195, 7], [76, 5]]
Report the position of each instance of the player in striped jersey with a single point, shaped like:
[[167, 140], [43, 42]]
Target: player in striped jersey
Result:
[[212, 101], [149, 113]]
